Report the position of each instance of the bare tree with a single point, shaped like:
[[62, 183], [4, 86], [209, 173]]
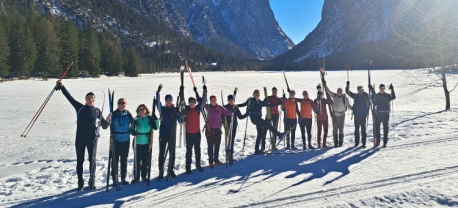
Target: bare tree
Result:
[[426, 36]]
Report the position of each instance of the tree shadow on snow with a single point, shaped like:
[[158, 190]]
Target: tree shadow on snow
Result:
[[253, 168]]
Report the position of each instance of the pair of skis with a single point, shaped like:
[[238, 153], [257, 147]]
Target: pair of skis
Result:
[[112, 153], [94, 149], [229, 136]]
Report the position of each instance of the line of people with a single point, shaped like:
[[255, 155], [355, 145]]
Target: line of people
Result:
[[297, 111]]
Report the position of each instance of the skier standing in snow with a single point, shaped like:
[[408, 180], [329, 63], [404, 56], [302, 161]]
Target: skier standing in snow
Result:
[[193, 137], [213, 131], [254, 108], [121, 123], [340, 104], [237, 114], [381, 102], [322, 118], [307, 106], [361, 107], [86, 126], [290, 107], [145, 123], [274, 114], [167, 113]]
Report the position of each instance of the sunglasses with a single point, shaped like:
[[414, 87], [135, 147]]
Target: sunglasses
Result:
[[168, 100], [121, 103]]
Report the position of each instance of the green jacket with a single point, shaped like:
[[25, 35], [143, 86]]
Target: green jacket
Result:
[[144, 127]]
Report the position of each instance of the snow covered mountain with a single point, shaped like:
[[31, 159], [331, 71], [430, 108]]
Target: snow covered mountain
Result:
[[236, 27], [353, 31]]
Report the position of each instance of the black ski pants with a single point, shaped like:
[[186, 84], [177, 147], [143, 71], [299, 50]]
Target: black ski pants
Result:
[[193, 141], [81, 147], [142, 161], [261, 127], [214, 143], [121, 153], [306, 123], [163, 141], [360, 122], [290, 125], [382, 118]]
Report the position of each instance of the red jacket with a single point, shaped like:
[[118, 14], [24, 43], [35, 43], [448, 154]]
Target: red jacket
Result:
[[273, 99], [192, 121]]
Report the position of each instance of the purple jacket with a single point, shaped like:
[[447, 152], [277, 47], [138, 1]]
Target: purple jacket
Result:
[[214, 115]]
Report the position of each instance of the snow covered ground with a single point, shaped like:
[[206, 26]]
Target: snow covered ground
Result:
[[419, 168]]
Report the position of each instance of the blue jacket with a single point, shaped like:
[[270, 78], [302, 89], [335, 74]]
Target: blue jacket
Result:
[[167, 116], [86, 119], [361, 104], [120, 125]]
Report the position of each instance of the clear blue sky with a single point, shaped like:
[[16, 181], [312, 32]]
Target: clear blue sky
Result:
[[297, 18]]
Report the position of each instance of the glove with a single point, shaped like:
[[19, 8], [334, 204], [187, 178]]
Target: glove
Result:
[[181, 88], [205, 87], [348, 83], [391, 87], [284, 96], [58, 85], [134, 133], [324, 81], [369, 86], [195, 89], [135, 122], [159, 88]]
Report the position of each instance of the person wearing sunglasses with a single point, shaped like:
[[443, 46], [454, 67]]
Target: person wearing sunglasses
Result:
[[145, 123], [340, 106], [168, 114], [191, 114], [121, 122], [382, 107], [361, 107], [86, 127], [237, 115]]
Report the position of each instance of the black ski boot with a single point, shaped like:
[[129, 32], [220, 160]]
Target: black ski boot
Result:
[[188, 170], [161, 174], [124, 182], [80, 184], [199, 168], [135, 181], [172, 174]]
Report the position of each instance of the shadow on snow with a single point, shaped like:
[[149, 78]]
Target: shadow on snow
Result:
[[259, 167]]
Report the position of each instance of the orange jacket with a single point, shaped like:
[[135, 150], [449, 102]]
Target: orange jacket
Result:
[[290, 108], [307, 106]]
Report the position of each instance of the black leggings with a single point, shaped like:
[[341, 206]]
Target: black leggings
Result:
[[261, 127], [306, 123], [193, 140], [290, 125], [142, 160], [382, 118], [80, 151]]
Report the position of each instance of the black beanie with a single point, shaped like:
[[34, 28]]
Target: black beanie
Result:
[[90, 94]]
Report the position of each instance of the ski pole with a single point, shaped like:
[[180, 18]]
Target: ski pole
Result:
[[37, 114]]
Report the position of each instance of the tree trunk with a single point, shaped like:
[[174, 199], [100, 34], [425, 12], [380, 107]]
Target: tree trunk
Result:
[[446, 92]]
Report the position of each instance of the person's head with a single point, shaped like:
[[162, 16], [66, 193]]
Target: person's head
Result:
[[213, 100], [192, 102], [305, 94], [168, 100], [90, 99], [274, 91], [230, 99], [122, 103], [292, 93], [142, 110], [256, 94], [360, 90], [320, 94], [382, 88], [339, 91]]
